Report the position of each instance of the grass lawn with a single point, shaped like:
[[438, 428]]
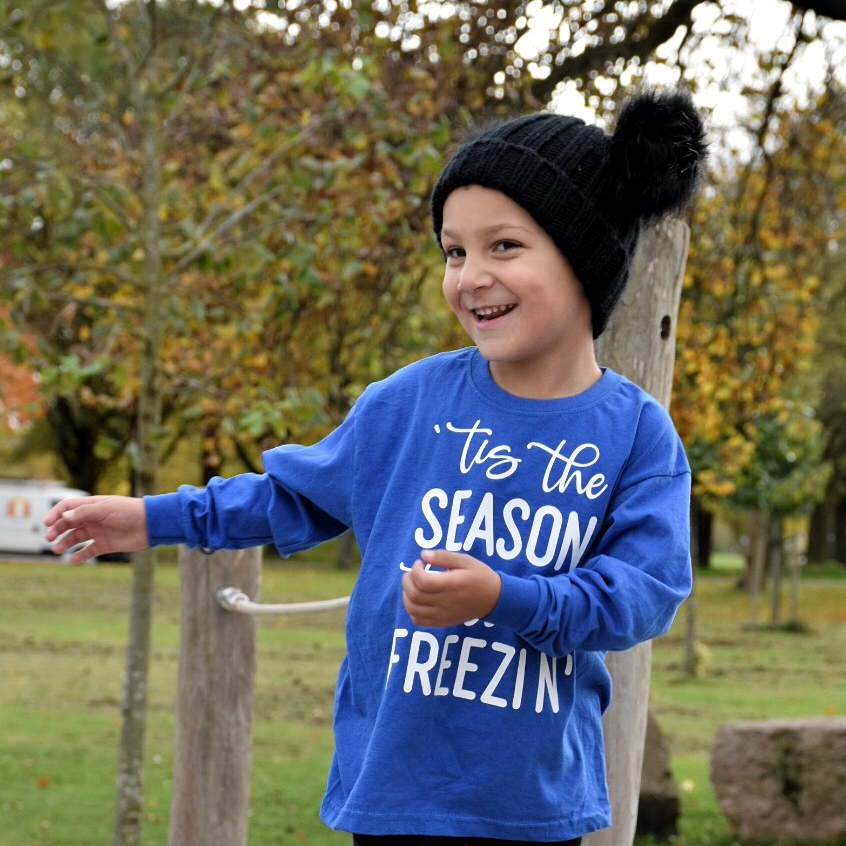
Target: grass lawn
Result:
[[62, 636], [750, 673]]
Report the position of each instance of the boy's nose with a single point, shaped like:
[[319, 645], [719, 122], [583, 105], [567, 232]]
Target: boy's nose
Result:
[[474, 275]]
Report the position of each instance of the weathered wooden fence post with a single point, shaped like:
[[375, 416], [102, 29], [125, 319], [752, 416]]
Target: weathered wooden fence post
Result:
[[217, 662], [639, 343]]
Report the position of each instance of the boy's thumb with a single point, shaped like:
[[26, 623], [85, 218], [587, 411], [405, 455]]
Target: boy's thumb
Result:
[[446, 560]]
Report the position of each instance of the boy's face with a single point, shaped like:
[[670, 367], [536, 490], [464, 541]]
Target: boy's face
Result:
[[513, 291]]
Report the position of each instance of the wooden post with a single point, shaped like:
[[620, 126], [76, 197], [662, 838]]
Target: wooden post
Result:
[[639, 343], [217, 662]]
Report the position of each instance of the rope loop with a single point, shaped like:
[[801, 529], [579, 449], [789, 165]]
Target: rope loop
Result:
[[234, 599]]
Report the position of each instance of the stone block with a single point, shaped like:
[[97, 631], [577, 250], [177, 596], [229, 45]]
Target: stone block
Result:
[[783, 781]]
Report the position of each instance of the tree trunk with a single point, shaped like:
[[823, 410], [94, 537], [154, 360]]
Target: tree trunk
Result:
[[840, 530], [74, 442], [820, 534], [640, 344], [757, 563], [793, 557], [702, 520], [129, 812], [776, 549], [217, 664], [346, 551], [690, 634], [210, 448]]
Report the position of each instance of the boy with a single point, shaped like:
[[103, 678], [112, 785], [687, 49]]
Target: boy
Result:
[[520, 511]]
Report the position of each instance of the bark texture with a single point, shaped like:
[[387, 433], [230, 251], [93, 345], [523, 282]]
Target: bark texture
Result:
[[217, 663], [639, 343]]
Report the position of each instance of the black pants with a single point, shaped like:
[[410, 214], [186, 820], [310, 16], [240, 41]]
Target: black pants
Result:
[[423, 840]]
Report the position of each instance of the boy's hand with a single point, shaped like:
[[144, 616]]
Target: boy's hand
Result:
[[113, 523], [467, 590]]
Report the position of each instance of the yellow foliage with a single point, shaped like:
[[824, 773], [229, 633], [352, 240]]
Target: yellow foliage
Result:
[[747, 324]]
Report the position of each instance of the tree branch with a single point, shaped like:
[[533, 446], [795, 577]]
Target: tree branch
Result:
[[835, 9], [775, 92], [243, 455], [98, 188], [209, 230], [68, 269], [72, 81], [635, 45], [130, 67]]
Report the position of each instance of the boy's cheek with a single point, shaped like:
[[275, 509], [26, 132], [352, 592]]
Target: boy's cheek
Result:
[[453, 304], [448, 288], [453, 298]]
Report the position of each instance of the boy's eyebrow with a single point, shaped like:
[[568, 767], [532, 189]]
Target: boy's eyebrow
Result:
[[493, 229]]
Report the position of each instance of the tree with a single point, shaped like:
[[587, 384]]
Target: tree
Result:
[[20, 401], [178, 160], [127, 85], [477, 58], [827, 531], [749, 323], [53, 229], [101, 220]]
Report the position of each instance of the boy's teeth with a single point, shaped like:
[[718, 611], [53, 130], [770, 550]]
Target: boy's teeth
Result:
[[493, 310]]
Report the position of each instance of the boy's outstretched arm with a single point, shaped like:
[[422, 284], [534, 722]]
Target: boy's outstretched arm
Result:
[[113, 523], [463, 589]]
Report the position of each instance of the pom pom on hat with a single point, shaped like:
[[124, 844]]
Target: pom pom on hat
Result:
[[655, 155], [589, 191]]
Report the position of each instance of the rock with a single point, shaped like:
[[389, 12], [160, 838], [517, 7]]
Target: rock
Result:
[[658, 806], [783, 780]]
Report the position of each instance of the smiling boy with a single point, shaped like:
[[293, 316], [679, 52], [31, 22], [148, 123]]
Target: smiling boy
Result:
[[519, 510]]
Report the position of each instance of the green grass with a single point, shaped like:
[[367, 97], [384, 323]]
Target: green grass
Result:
[[62, 637], [62, 641], [751, 674]]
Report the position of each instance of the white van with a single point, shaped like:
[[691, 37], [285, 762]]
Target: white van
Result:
[[23, 506]]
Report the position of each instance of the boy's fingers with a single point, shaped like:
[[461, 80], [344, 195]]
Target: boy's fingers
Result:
[[417, 580], [422, 580], [69, 539], [413, 598], [85, 554], [69, 520], [448, 560], [76, 502], [66, 515], [58, 511]]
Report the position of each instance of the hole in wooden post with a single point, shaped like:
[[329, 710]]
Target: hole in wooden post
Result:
[[665, 327]]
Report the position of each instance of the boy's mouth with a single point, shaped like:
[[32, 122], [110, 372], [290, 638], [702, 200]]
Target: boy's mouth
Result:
[[483, 315]]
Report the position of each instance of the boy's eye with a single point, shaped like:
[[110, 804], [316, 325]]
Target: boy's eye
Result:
[[454, 252], [502, 246]]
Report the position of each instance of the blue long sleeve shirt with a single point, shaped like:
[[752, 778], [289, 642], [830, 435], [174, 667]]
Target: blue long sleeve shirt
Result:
[[491, 728]]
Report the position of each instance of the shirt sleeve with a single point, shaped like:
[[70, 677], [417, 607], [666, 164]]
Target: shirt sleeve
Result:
[[628, 592], [303, 498], [631, 586]]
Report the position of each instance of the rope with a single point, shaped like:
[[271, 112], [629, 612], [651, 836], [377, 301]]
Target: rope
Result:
[[234, 599]]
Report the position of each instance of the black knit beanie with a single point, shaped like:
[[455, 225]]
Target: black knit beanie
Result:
[[590, 192]]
